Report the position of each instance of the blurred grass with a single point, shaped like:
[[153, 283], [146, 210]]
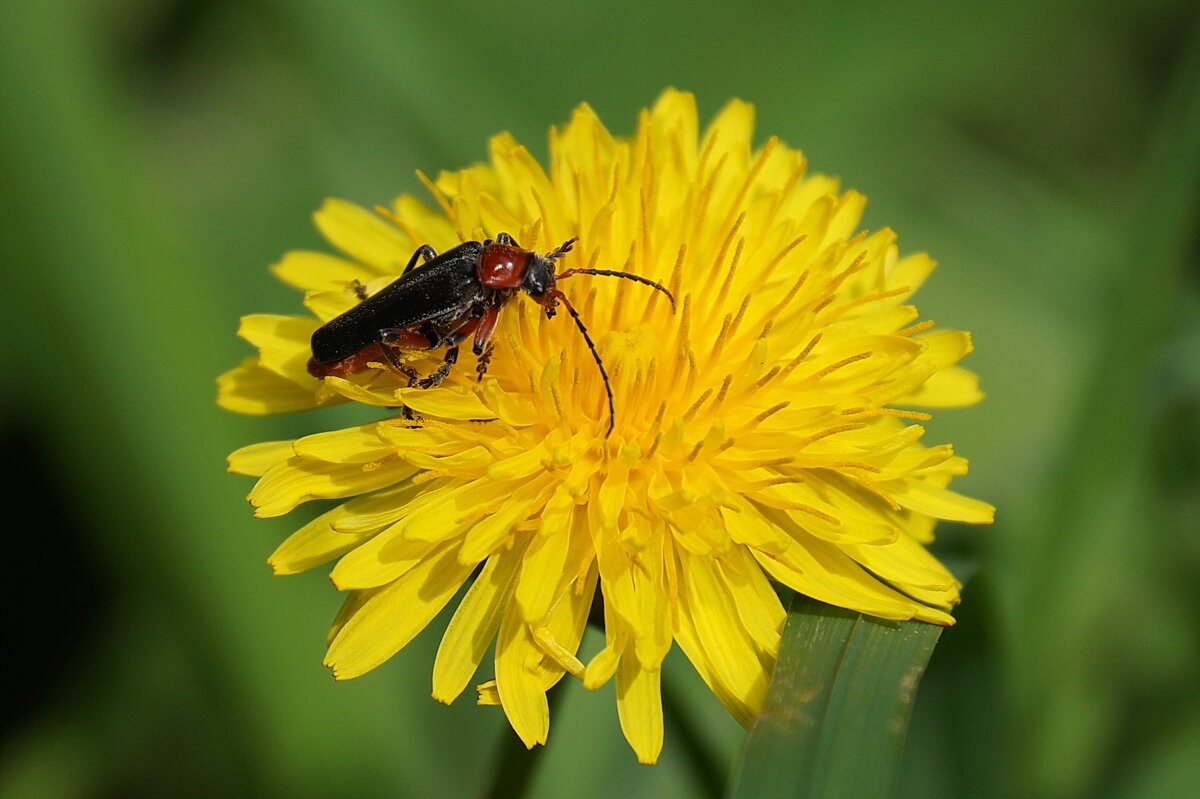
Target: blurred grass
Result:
[[155, 157], [836, 716]]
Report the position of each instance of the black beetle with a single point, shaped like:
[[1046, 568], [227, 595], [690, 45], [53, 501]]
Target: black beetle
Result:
[[452, 296]]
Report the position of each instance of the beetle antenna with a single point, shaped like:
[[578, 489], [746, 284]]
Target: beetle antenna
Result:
[[626, 275], [561, 249], [595, 354]]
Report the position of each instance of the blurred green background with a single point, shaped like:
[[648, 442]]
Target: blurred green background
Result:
[[157, 155]]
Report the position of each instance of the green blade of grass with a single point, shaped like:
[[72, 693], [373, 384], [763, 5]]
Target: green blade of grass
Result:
[[835, 718]]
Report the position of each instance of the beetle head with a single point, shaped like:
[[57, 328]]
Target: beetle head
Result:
[[539, 276]]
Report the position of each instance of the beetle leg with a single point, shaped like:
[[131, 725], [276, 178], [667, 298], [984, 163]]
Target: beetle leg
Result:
[[360, 290], [482, 346], [484, 359], [389, 354], [483, 333], [424, 251], [442, 371]]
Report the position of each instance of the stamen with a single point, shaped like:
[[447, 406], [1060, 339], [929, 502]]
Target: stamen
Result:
[[811, 511], [866, 467], [684, 329], [809, 347], [541, 204], [440, 198], [758, 485], [828, 370], [729, 238], [917, 328], [420, 478], [867, 413], [371, 466], [720, 339], [687, 416], [701, 212], [733, 264], [866, 300], [654, 445], [874, 488], [741, 313], [844, 428], [534, 234], [753, 172], [791, 295], [823, 304], [558, 403], [774, 409], [784, 461], [722, 391], [677, 272], [762, 381], [793, 244]]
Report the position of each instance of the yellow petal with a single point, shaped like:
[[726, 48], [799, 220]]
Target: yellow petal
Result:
[[952, 387], [257, 459], [517, 683], [942, 503], [710, 631], [911, 271], [488, 695], [757, 604], [299, 479], [396, 613], [827, 574], [283, 342], [363, 236], [474, 625], [542, 569], [639, 708], [359, 444], [315, 543], [326, 305], [380, 508], [249, 388], [318, 271], [368, 395], [946, 347], [386, 557], [446, 402], [907, 565]]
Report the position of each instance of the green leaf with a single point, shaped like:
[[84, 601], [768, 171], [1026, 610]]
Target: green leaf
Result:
[[836, 715]]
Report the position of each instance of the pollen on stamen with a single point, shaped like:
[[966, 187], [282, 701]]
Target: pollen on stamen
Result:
[[901, 414], [778, 259], [774, 409], [831, 431], [690, 412], [917, 328], [722, 391], [767, 377], [866, 299], [844, 362]]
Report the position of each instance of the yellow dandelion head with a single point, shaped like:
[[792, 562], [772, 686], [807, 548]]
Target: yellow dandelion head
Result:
[[766, 431]]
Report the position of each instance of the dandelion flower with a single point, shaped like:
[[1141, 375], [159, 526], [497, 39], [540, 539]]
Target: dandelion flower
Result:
[[766, 433]]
